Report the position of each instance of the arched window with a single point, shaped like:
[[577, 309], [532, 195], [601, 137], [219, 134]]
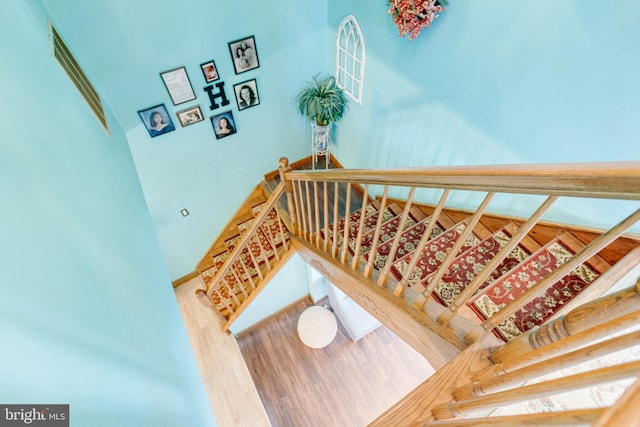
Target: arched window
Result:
[[350, 58]]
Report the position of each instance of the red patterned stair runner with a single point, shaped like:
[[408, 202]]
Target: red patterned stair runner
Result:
[[271, 226], [388, 230], [370, 222], [268, 236], [469, 263], [221, 291], [436, 251], [535, 268], [408, 241]]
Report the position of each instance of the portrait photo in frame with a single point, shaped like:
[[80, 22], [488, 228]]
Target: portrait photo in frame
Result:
[[178, 85], [210, 71], [223, 124], [244, 54], [246, 94], [156, 119], [190, 116]]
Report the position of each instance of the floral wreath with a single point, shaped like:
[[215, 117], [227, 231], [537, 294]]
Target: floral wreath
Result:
[[411, 16]]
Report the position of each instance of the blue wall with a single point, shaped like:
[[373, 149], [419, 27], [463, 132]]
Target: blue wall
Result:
[[189, 168], [498, 82], [87, 314], [288, 286]]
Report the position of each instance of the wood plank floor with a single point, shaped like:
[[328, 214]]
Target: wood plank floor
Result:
[[345, 384], [230, 389]]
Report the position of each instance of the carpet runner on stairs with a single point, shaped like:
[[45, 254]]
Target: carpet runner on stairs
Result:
[[469, 263], [436, 251], [535, 268], [388, 230], [409, 240], [261, 246], [370, 221]]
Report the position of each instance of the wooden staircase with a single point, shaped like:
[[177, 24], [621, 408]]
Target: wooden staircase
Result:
[[456, 284]]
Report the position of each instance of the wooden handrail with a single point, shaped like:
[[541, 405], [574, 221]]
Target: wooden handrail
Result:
[[542, 389], [519, 376], [230, 261], [609, 180], [568, 418]]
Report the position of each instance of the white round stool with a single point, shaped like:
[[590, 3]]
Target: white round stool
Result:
[[317, 327]]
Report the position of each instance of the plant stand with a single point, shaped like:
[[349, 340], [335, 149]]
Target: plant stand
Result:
[[320, 141]]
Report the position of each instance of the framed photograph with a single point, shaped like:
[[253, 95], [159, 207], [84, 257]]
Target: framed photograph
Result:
[[178, 85], [246, 94], [210, 71], [244, 54], [156, 119], [190, 116], [223, 124]]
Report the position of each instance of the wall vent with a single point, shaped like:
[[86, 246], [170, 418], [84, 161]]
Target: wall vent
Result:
[[77, 76]]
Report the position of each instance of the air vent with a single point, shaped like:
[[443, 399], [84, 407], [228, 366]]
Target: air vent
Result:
[[73, 70]]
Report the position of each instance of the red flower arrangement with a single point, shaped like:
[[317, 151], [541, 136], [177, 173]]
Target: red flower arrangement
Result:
[[411, 16]]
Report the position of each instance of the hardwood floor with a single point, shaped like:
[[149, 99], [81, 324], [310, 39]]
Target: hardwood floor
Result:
[[232, 394], [345, 384]]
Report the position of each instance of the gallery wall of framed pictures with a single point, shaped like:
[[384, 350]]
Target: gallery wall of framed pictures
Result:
[[243, 54]]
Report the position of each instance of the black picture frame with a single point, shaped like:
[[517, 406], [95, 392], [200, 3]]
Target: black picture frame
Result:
[[147, 116], [218, 130], [250, 89], [177, 83], [210, 71], [190, 116], [244, 54]]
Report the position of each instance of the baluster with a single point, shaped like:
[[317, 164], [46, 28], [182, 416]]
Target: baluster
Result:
[[244, 266], [539, 288], [516, 377], [347, 212], [288, 188], [255, 263], [593, 320], [376, 234], [271, 237], [283, 236], [425, 296], [317, 212], [484, 274], [384, 274], [301, 210], [309, 210], [334, 234], [568, 418], [263, 252], [239, 282], [224, 301], [355, 262], [232, 295], [402, 284], [325, 190], [534, 391]]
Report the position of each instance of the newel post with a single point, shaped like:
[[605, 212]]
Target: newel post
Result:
[[288, 188], [587, 316]]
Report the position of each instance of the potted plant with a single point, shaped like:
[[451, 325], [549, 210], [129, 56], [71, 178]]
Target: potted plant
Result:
[[324, 103]]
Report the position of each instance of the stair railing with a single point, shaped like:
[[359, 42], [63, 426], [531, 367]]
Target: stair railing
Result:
[[323, 204], [249, 266], [588, 355]]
